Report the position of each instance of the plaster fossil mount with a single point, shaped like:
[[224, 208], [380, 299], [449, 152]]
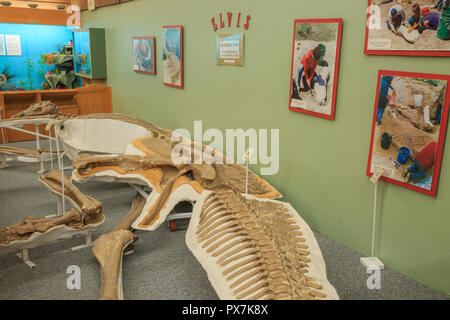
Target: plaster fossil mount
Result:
[[251, 246], [85, 217]]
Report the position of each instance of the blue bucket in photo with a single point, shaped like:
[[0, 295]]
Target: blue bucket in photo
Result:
[[403, 155]]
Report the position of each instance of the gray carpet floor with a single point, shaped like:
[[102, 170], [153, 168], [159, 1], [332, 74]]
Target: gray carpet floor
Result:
[[162, 267]]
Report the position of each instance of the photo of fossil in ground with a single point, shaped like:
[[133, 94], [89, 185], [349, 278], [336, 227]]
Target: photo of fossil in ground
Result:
[[409, 123]]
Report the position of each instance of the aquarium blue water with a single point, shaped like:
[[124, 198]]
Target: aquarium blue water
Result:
[[36, 40]]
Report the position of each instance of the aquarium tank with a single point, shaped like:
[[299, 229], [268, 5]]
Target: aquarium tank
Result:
[[44, 62], [82, 53]]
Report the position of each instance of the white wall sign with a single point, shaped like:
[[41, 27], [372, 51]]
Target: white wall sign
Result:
[[13, 47]]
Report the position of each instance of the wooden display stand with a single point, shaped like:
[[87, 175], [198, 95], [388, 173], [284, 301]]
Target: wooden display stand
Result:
[[80, 101]]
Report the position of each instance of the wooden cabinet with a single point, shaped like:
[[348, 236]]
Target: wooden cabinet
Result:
[[85, 100]]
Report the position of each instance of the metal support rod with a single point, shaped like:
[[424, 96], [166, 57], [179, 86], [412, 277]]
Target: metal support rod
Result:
[[3, 133], [374, 219], [61, 167], [38, 141], [246, 177], [38, 147], [23, 255], [139, 190], [51, 150], [28, 131]]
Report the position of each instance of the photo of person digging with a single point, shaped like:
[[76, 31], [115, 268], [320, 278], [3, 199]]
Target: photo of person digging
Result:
[[423, 162], [307, 71], [315, 64], [400, 26], [384, 99], [405, 142]]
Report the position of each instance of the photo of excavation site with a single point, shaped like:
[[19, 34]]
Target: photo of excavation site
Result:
[[408, 129], [315, 66], [408, 25]]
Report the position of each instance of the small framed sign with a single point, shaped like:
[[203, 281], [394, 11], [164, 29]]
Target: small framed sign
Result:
[[230, 49]]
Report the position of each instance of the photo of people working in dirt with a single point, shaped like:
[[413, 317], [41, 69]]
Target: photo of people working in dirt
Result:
[[407, 128], [414, 25], [314, 66]]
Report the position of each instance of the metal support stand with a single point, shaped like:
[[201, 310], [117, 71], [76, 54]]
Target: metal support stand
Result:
[[373, 262], [23, 255], [171, 217], [60, 200], [3, 161], [59, 210], [38, 147], [87, 243]]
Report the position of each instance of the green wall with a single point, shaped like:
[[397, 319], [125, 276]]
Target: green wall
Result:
[[322, 162]]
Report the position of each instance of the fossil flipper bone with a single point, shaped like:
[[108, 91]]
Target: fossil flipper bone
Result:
[[90, 207], [108, 250], [254, 249], [30, 225], [88, 212]]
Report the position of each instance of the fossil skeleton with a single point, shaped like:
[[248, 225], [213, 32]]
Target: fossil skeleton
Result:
[[251, 245], [34, 231], [38, 109]]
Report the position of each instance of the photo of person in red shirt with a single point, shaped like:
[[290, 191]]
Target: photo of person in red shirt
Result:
[[307, 70]]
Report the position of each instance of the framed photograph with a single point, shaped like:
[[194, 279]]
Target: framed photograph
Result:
[[144, 55], [173, 56], [408, 129], [230, 49], [315, 66], [409, 28]]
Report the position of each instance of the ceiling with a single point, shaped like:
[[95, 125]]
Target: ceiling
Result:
[[57, 4], [43, 4]]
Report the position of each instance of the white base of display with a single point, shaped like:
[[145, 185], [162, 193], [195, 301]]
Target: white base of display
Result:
[[371, 263], [27, 159]]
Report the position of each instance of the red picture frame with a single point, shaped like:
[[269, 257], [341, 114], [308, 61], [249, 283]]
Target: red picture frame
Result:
[[153, 72], [429, 53], [330, 116], [181, 85], [441, 136]]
